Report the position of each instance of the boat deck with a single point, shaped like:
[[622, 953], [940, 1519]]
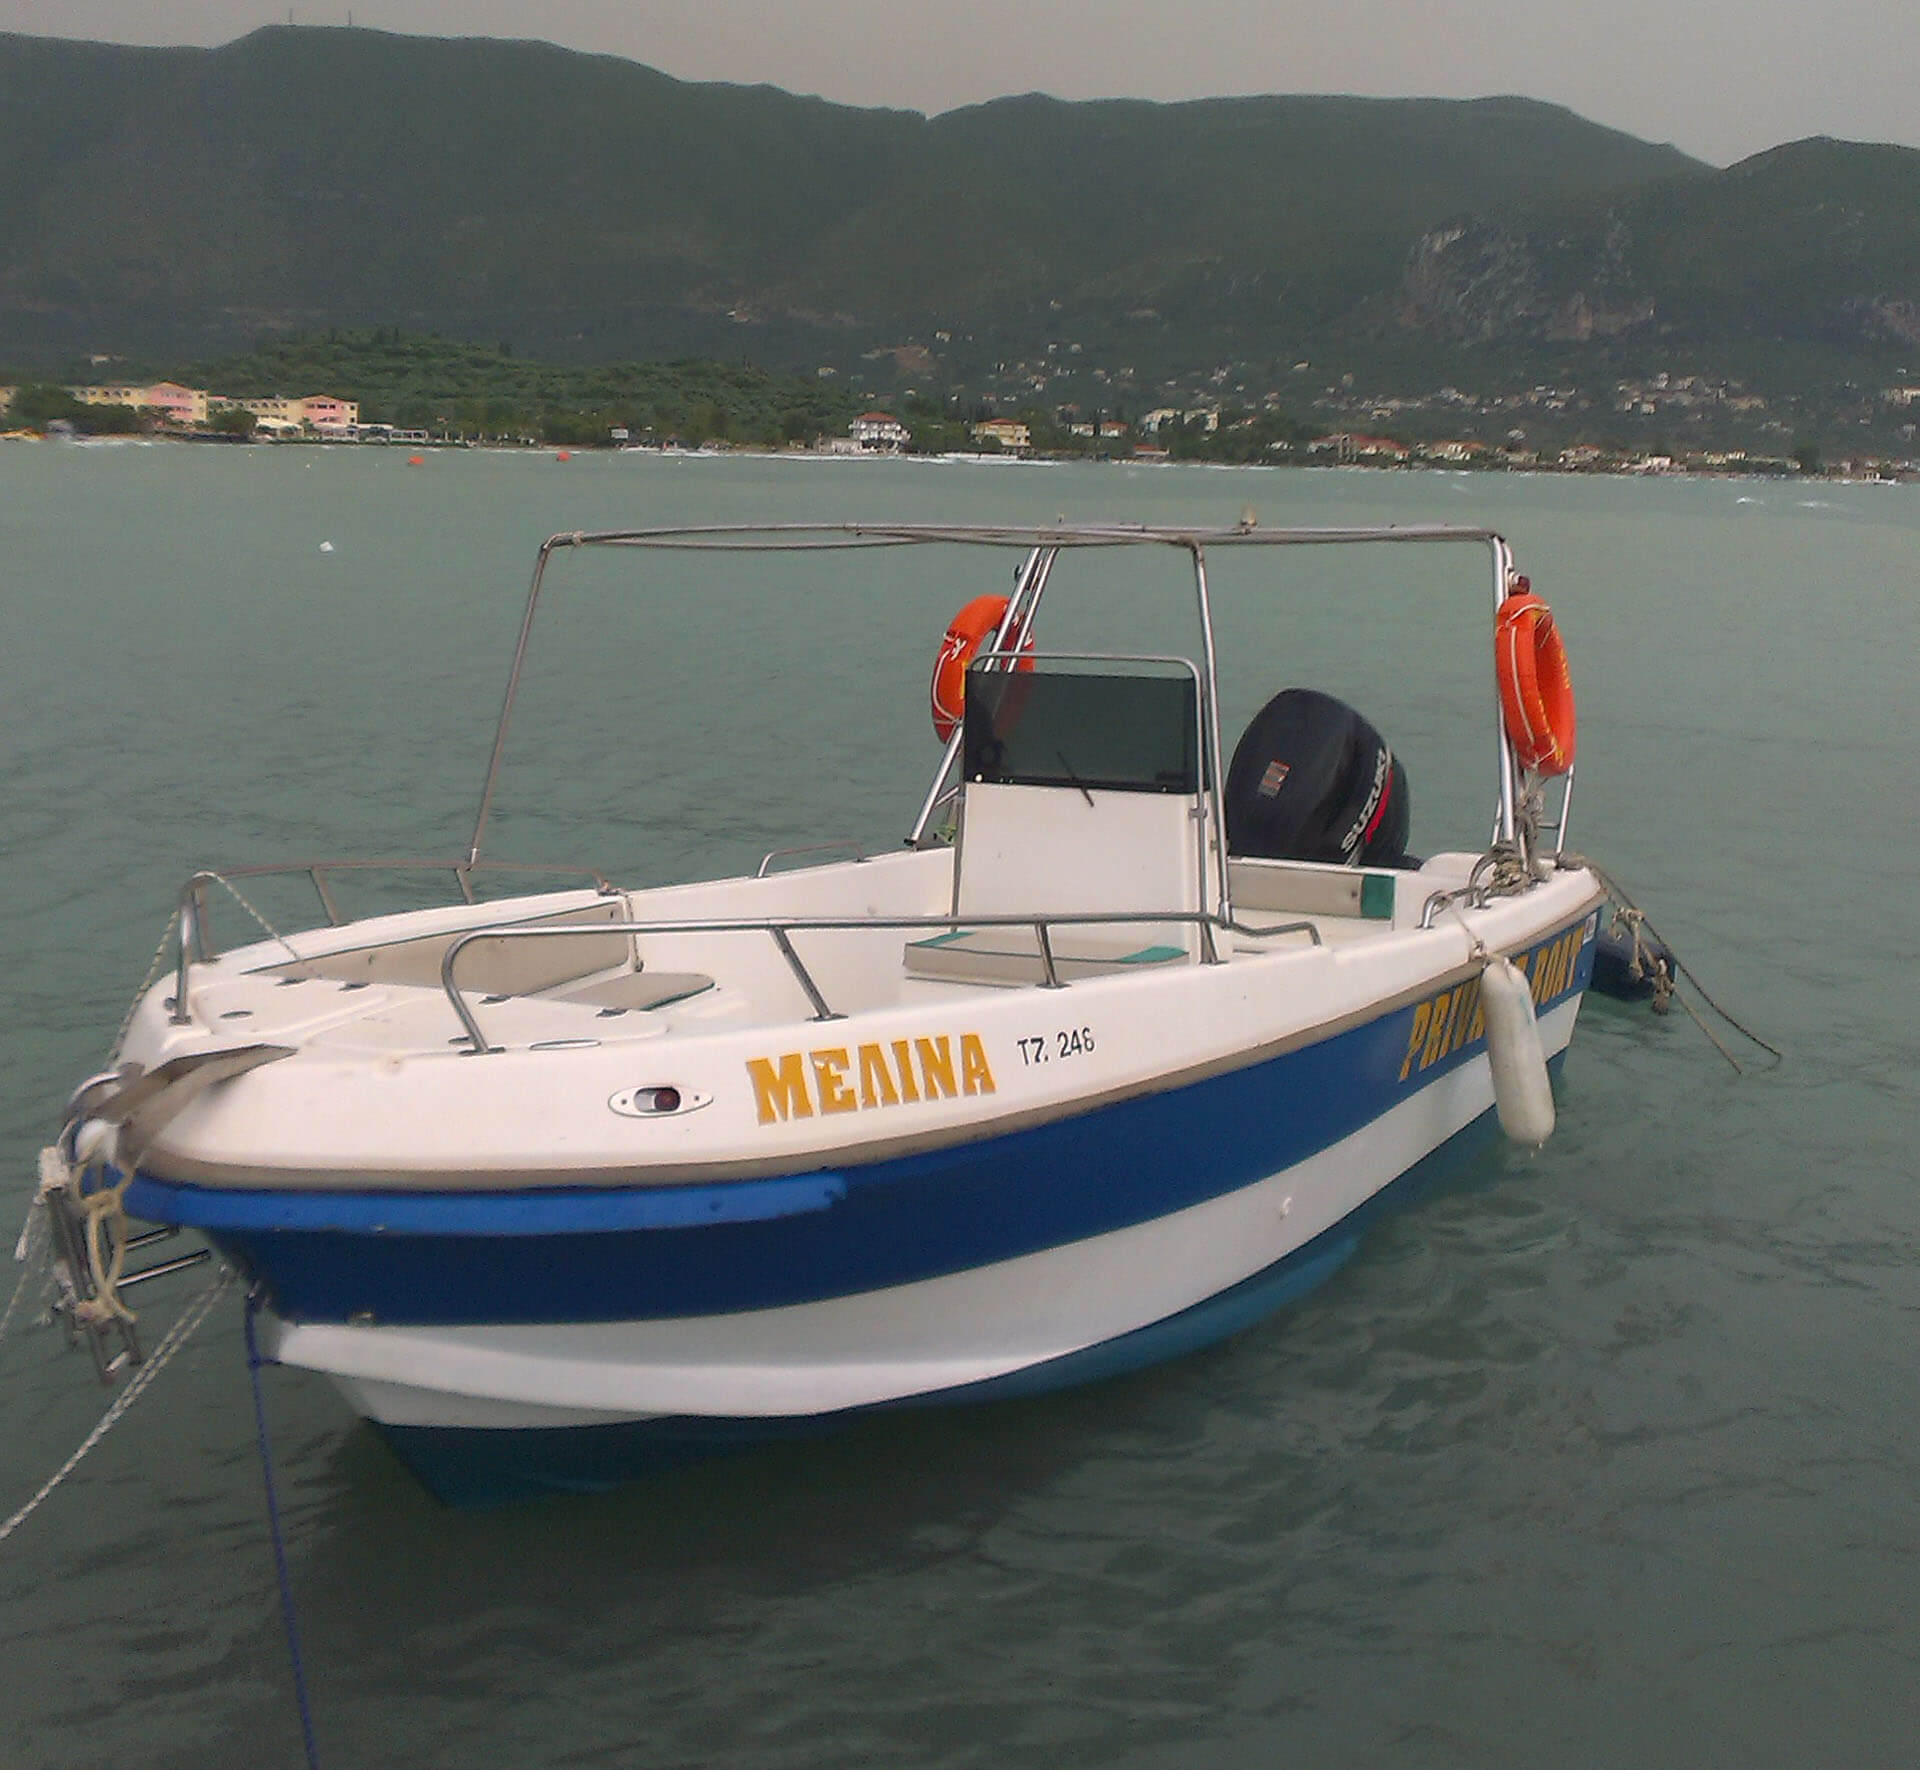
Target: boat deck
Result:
[[385, 995]]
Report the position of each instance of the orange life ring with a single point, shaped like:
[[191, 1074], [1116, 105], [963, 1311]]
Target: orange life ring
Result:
[[1536, 692], [973, 627]]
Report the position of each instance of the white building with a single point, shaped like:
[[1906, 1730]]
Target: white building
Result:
[[879, 430]]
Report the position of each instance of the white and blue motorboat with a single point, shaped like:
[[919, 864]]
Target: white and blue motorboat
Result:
[[1117, 1053]]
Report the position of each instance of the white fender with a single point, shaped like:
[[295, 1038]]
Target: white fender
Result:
[[1522, 1094]]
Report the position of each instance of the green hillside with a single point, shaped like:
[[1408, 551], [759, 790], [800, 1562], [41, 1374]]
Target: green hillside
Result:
[[179, 205], [164, 199], [1813, 244], [1819, 237]]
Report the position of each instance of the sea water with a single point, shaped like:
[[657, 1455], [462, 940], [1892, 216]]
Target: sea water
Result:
[[1604, 1455]]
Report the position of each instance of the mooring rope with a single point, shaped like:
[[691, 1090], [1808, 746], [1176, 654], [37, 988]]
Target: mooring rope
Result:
[[29, 1251], [246, 903], [1693, 1014], [168, 934], [154, 967], [137, 1385], [1649, 959], [1614, 890], [287, 1617], [104, 1210]]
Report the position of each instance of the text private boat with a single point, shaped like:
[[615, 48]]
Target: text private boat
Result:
[[1117, 1053]]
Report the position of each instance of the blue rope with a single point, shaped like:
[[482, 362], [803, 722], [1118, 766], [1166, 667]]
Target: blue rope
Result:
[[254, 1362]]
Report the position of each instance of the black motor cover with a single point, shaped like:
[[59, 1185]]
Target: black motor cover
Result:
[[1312, 780]]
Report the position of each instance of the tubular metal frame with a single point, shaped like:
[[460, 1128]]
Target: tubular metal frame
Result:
[[846, 845], [781, 929], [1030, 584], [1508, 826], [193, 935], [1213, 820], [1043, 543], [1210, 734]]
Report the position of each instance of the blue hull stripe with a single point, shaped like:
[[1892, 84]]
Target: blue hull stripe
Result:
[[479, 1466], [647, 1253]]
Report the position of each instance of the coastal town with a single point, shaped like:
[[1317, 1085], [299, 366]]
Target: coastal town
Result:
[[1360, 430], [1657, 422], [167, 408]]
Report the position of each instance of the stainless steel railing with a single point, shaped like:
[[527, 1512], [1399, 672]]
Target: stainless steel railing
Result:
[[1042, 543], [844, 846], [781, 930], [192, 926]]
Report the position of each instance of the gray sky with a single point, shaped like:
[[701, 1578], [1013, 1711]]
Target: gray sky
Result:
[[1721, 78]]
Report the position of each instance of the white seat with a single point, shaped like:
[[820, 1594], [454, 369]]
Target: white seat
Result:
[[1068, 851]]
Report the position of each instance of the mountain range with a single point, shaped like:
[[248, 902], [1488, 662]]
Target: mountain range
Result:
[[180, 202]]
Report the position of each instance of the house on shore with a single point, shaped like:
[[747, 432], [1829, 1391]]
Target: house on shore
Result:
[[1005, 433], [1348, 446], [316, 411], [880, 432], [188, 408], [325, 413], [175, 404]]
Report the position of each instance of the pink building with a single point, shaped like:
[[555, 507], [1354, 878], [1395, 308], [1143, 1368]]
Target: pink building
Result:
[[324, 412], [176, 404]]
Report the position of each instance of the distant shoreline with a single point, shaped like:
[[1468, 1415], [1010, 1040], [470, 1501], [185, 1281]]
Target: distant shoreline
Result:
[[1788, 475]]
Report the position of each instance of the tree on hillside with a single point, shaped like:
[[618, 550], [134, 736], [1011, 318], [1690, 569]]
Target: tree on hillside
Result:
[[35, 407]]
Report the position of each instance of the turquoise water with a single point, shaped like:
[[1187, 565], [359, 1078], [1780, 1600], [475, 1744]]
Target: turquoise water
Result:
[[1605, 1455]]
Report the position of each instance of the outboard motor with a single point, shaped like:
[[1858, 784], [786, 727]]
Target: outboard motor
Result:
[[1312, 780]]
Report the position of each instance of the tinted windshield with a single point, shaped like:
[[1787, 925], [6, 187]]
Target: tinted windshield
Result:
[[1058, 728]]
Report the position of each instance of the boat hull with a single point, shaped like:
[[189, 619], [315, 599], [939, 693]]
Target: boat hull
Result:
[[505, 1342], [524, 1451], [492, 1465]]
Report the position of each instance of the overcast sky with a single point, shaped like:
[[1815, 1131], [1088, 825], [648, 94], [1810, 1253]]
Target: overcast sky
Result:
[[1721, 78]]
